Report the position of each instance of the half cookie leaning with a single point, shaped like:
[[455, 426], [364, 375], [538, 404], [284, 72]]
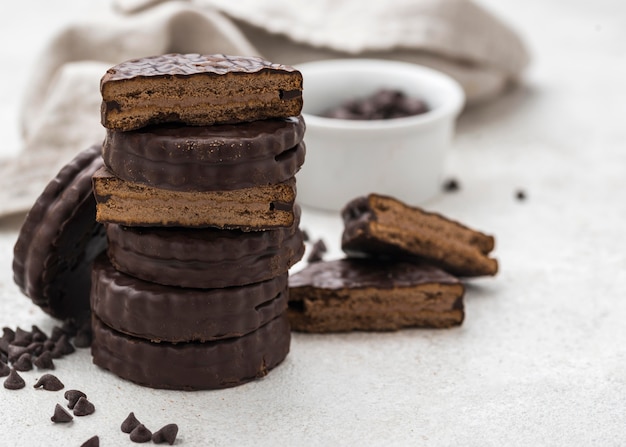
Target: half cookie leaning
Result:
[[59, 240], [146, 310], [204, 258], [383, 226], [371, 295], [220, 157], [198, 90], [136, 204], [192, 366]]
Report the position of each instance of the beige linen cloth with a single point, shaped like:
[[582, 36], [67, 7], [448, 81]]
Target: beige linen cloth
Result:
[[60, 112]]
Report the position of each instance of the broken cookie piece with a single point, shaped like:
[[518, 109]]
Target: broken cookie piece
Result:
[[378, 225], [369, 295]]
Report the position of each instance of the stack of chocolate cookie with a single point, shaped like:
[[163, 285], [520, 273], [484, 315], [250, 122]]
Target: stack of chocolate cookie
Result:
[[198, 199]]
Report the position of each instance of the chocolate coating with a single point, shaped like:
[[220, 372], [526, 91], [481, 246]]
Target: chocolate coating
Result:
[[204, 258], [175, 64], [219, 157], [200, 315], [192, 366], [360, 273], [59, 240]]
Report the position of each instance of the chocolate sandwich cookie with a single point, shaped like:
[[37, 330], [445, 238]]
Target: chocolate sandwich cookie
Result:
[[204, 258], [136, 204], [383, 226], [367, 294], [192, 366], [220, 157], [59, 240], [198, 90], [175, 314]]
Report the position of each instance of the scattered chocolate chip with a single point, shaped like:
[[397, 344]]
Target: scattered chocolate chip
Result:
[[49, 382], [60, 415], [4, 369], [83, 339], [166, 434], [57, 333], [140, 434], [38, 334], [83, 407], [22, 337], [48, 345], [451, 185], [15, 352], [94, 441], [305, 235], [62, 347], [70, 327], [3, 357], [8, 334], [24, 363], [4, 346], [129, 423], [14, 381], [35, 348], [317, 252], [72, 397], [520, 195], [44, 361]]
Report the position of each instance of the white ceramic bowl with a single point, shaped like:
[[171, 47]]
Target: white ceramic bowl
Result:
[[401, 157]]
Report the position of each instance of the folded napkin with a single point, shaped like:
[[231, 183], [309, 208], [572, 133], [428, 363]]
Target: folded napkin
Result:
[[60, 113]]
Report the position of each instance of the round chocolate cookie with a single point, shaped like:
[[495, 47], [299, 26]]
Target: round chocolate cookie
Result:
[[192, 366], [200, 315], [59, 240], [204, 258], [208, 158]]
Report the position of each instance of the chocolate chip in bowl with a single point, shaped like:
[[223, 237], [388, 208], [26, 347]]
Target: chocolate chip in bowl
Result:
[[375, 125]]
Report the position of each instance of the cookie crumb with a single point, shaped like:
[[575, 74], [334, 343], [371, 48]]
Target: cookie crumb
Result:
[[72, 397], [129, 423], [166, 434], [49, 382], [94, 441], [14, 381], [140, 434], [83, 407], [60, 415], [451, 185]]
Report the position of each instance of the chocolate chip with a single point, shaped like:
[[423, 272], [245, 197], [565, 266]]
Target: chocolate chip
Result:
[[83, 407], [94, 441], [305, 235], [48, 345], [15, 352], [14, 381], [3, 357], [35, 348], [24, 363], [317, 253], [70, 327], [8, 334], [49, 382], [520, 195], [451, 185], [4, 346], [129, 423], [44, 361], [383, 104], [72, 397], [57, 333], [83, 339], [38, 334], [62, 347], [166, 434], [60, 415], [22, 337], [140, 434], [4, 369]]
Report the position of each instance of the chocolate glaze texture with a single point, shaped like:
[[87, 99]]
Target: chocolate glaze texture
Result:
[[353, 273], [175, 314], [192, 366], [59, 240], [219, 157], [204, 258]]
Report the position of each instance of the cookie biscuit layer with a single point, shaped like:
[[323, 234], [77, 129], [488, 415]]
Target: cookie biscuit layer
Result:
[[198, 90]]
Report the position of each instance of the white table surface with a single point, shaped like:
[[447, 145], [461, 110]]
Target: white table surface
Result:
[[541, 356]]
